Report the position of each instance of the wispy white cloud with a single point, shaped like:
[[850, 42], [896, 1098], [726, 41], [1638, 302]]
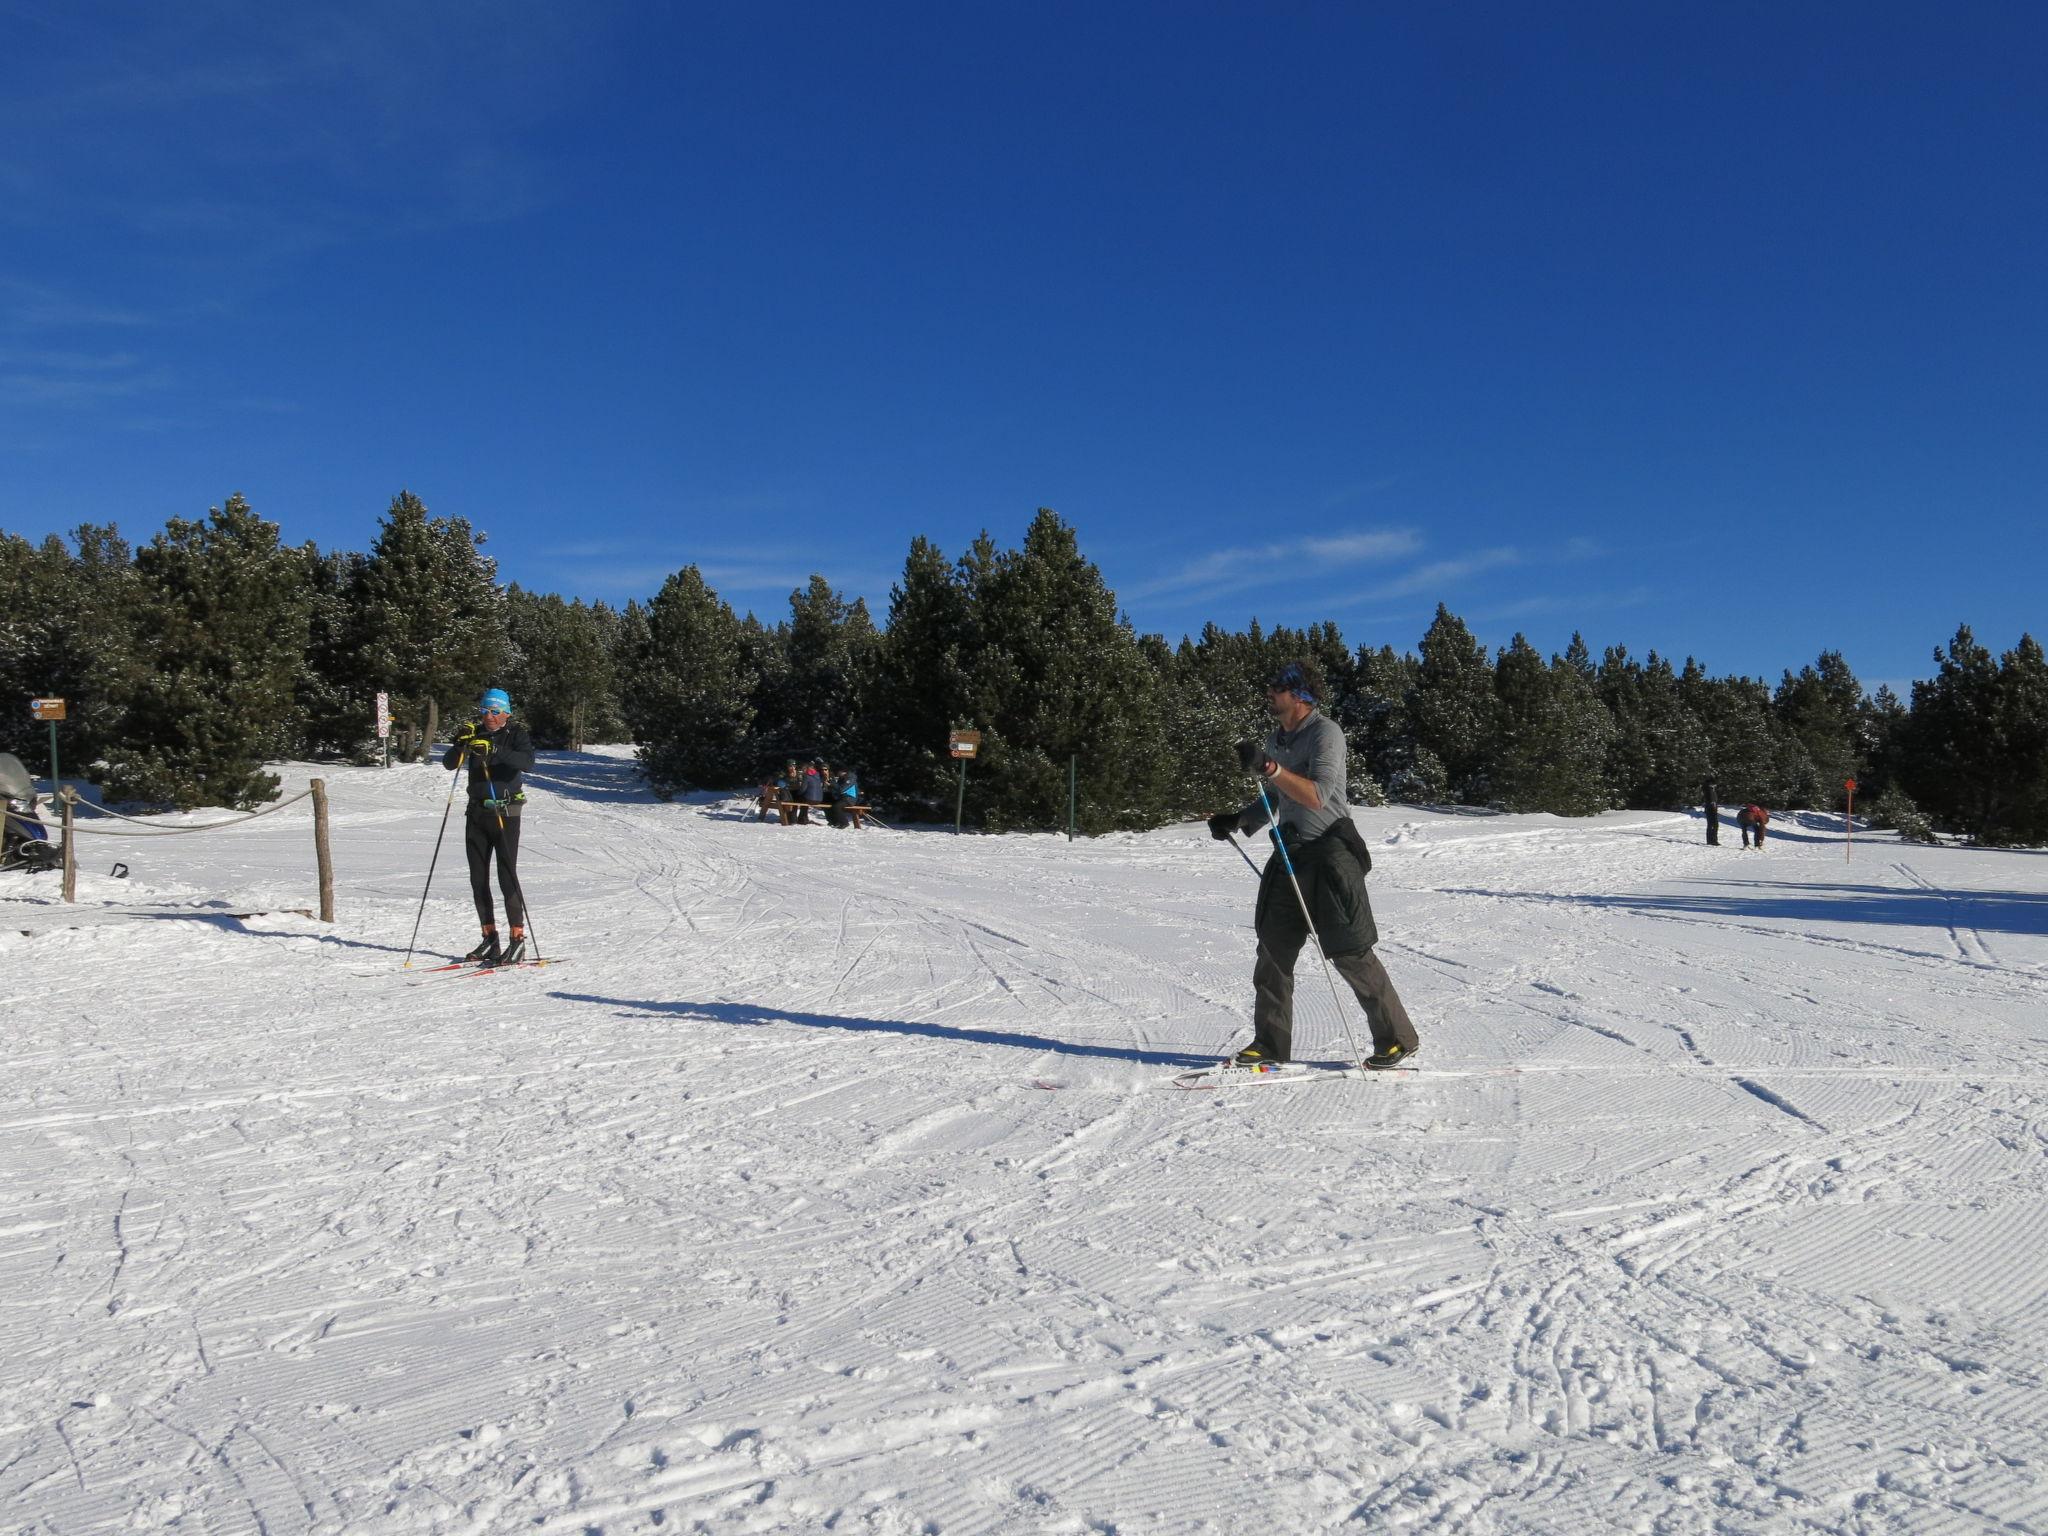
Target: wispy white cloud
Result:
[[61, 378], [1553, 603], [1442, 574], [1231, 570], [25, 305]]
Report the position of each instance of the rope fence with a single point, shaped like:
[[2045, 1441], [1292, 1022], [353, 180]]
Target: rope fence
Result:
[[149, 831], [316, 792]]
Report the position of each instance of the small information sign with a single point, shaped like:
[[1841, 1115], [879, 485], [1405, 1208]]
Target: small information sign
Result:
[[46, 709], [964, 743], [383, 716]]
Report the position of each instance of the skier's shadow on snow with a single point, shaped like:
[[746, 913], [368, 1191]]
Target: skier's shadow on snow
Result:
[[228, 922], [754, 1015], [2019, 912]]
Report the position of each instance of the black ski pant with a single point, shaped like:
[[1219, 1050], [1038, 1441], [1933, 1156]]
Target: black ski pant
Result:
[[1281, 937], [1713, 828], [483, 837]]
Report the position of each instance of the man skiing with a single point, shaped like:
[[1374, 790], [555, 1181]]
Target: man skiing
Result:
[[1713, 815], [498, 752], [1304, 762]]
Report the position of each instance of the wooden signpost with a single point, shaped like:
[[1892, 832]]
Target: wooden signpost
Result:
[[51, 710], [962, 745]]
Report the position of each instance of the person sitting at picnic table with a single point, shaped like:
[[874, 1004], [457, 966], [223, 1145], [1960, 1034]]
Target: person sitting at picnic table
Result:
[[845, 795]]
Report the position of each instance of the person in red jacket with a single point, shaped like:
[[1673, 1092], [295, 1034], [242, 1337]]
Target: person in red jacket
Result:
[[1753, 820]]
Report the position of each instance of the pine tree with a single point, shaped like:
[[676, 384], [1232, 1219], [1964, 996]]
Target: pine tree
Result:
[[2022, 766], [1680, 751], [832, 654], [335, 698], [1551, 750], [1948, 753], [221, 614], [1210, 700], [1452, 706], [1752, 756], [561, 676], [1377, 724], [1824, 707], [687, 696], [1060, 675], [922, 690], [434, 614], [66, 632]]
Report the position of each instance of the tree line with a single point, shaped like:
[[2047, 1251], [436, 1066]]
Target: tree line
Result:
[[192, 660]]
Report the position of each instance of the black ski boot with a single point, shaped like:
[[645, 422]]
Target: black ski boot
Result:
[[486, 953], [515, 951], [1392, 1056]]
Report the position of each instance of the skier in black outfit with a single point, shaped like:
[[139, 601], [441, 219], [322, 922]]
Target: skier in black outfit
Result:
[[1304, 762], [498, 751], [1713, 815]]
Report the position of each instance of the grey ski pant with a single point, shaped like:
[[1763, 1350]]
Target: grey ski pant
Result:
[[1273, 995]]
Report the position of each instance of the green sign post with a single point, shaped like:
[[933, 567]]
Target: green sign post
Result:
[[963, 745], [51, 710]]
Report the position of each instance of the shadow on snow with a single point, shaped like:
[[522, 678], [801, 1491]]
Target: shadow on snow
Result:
[[751, 1014], [2020, 912]]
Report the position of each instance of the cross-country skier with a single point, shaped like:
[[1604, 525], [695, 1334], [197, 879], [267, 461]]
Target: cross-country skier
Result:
[[1713, 815], [498, 751], [1304, 764]]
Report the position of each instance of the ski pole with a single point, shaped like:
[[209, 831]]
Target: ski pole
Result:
[[452, 783], [1273, 827], [1248, 864]]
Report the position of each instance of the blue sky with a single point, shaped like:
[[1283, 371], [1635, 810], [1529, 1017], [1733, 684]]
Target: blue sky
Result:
[[1715, 329]]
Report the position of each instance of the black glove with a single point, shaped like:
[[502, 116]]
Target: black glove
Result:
[[1222, 824], [1250, 757]]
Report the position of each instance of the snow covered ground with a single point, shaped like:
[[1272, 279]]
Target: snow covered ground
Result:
[[1717, 1202]]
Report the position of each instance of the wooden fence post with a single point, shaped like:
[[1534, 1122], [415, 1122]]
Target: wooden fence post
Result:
[[70, 845], [320, 851]]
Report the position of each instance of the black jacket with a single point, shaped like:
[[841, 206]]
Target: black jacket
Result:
[[494, 779], [1331, 869]]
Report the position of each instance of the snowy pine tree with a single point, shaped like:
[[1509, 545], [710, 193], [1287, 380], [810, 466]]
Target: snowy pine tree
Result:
[[922, 690], [220, 616], [1060, 674], [687, 696], [433, 613], [1551, 750], [560, 673], [1452, 706]]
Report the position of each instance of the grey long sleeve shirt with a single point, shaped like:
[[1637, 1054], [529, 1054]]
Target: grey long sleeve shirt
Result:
[[1317, 751]]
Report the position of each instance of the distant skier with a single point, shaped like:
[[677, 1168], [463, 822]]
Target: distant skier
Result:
[[1713, 816], [1304, 763], [498, 751], [1753, 819]]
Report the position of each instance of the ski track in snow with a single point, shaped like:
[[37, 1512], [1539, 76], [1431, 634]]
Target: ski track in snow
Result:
[[1716, 1203]]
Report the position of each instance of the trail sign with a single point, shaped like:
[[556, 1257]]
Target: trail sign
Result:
[[46, 709], [383, 715], [964, 743]]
